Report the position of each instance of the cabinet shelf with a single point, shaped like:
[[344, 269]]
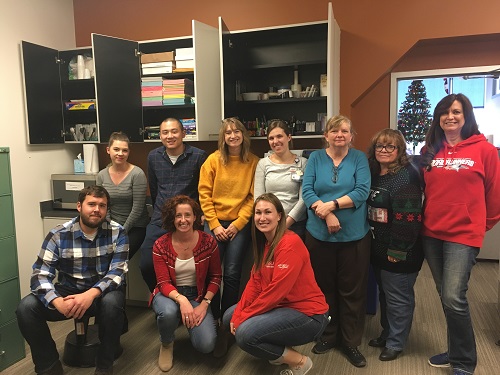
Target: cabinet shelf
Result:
[[166, 107], [285, 64], [171, 75], [287, 100]]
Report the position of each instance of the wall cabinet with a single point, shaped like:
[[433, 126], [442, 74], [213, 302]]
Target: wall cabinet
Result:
[[256, 60], [226, 64], [116, 88], [11, 340]]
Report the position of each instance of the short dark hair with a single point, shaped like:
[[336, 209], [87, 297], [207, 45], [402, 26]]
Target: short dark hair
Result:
[[173, 119], [94, 191], [169, 209]]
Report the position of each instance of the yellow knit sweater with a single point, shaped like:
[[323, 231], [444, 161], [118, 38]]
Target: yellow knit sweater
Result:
[[226, 191]]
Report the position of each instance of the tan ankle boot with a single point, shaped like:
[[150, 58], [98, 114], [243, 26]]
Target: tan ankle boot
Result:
[[166, 358]]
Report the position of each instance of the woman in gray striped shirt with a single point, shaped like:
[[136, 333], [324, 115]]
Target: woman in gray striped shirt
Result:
[[127, 185]]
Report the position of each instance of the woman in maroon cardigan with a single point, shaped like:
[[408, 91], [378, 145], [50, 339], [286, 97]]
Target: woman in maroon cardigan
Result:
[[188, 270]]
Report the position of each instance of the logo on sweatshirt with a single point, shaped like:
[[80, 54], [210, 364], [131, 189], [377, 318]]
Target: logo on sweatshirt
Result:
[[452, 164]]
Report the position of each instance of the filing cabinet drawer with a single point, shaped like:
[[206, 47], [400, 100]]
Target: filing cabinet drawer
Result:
[[9, 299], [8, 259], [11, 345], [6, 216], [5, 188]]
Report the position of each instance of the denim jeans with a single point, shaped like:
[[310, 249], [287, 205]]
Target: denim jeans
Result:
[[266, 335], [168, 317], [32, 317], [232, 254], [397, 304], [153, 232], [451, 265]]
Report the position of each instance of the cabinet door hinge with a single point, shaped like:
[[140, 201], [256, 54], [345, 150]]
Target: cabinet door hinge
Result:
[[137, 53], [59, 61]]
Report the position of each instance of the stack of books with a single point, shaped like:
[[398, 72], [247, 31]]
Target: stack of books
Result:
[[178, 91], [157, 63], [151, 91], [189, 125], [184, 59]]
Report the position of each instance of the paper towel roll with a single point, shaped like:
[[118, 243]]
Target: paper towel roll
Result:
[[90, 158]]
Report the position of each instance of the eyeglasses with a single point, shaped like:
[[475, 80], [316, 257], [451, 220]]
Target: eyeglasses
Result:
[[335, 176], [388, 148]]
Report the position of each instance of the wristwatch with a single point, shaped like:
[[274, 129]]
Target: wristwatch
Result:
[[209, 301]]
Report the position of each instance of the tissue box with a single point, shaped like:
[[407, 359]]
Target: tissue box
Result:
[[78, 166]]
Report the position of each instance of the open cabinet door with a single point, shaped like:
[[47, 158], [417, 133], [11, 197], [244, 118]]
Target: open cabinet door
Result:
[[333, 65], [118, 87], [44, 112], [207, 81], [227, 71]]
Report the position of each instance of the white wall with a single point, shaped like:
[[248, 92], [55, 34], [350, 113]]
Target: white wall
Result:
[[49, 23]]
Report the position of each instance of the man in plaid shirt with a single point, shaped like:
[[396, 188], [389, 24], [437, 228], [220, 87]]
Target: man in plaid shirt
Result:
[[173, 169], [90, 255]]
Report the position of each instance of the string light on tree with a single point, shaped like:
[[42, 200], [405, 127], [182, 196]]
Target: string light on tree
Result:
[[414, 117]]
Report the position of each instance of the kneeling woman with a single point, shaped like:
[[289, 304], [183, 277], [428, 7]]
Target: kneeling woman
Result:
[[282, 306], [187, 266]]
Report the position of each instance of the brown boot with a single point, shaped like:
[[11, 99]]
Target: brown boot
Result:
[[166, 358]]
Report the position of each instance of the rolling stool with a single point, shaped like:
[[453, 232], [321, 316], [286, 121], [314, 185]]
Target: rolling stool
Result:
[[82, 344]]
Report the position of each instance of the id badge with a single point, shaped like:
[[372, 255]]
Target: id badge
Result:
[[296, 174]]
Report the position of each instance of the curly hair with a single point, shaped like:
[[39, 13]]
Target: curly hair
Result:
[[387, 136], [169, 211]]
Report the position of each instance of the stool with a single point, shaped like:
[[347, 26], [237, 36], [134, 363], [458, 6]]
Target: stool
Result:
[[82, 344]]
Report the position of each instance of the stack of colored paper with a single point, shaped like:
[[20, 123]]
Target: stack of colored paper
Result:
[[177, 91], [151, 91]]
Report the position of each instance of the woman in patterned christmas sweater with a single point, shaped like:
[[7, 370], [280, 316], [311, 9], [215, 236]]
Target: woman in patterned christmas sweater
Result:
[[395, 215]]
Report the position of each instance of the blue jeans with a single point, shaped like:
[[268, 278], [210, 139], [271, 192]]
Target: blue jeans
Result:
[[168, 317], [153, 232], [232, 254], [451, 265], [32, 317], [266, 335], [397, 304]]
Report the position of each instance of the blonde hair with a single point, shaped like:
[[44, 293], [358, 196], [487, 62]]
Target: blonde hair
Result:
[[335, 122], [245, 145]]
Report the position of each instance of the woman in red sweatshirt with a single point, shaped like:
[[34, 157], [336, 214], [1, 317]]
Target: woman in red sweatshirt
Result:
[[282, 306], [462, 202]]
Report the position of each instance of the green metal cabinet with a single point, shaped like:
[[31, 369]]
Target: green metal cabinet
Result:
[[11, 340]]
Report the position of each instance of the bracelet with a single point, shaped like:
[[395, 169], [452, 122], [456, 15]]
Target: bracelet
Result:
[[208, 301], [177, 296], [336, 203]]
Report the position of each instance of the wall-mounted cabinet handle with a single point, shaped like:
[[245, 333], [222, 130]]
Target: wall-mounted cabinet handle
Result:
[[2, 353]]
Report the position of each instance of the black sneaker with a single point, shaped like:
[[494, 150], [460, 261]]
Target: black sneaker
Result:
[[354, 356], [322, 347]]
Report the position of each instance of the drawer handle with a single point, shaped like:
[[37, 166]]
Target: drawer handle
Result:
[[2, 353]]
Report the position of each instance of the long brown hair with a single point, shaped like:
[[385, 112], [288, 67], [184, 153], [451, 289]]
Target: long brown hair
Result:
[[435, 135], [245, 145], [258, 238], [396, 138]]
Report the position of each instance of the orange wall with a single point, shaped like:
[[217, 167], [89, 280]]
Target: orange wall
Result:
[[375, 34]]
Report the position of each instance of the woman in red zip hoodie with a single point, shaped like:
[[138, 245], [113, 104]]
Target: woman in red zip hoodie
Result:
[[462, 190]]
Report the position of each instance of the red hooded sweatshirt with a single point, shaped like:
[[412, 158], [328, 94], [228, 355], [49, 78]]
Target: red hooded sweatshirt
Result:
[[462, 192]]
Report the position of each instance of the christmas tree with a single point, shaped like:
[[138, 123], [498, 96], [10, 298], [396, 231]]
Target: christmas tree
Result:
[[414, 118]]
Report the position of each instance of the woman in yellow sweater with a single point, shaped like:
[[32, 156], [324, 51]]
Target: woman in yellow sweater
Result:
[[226, 198]]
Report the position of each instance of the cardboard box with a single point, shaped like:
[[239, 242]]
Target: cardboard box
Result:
[[157, 57]]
